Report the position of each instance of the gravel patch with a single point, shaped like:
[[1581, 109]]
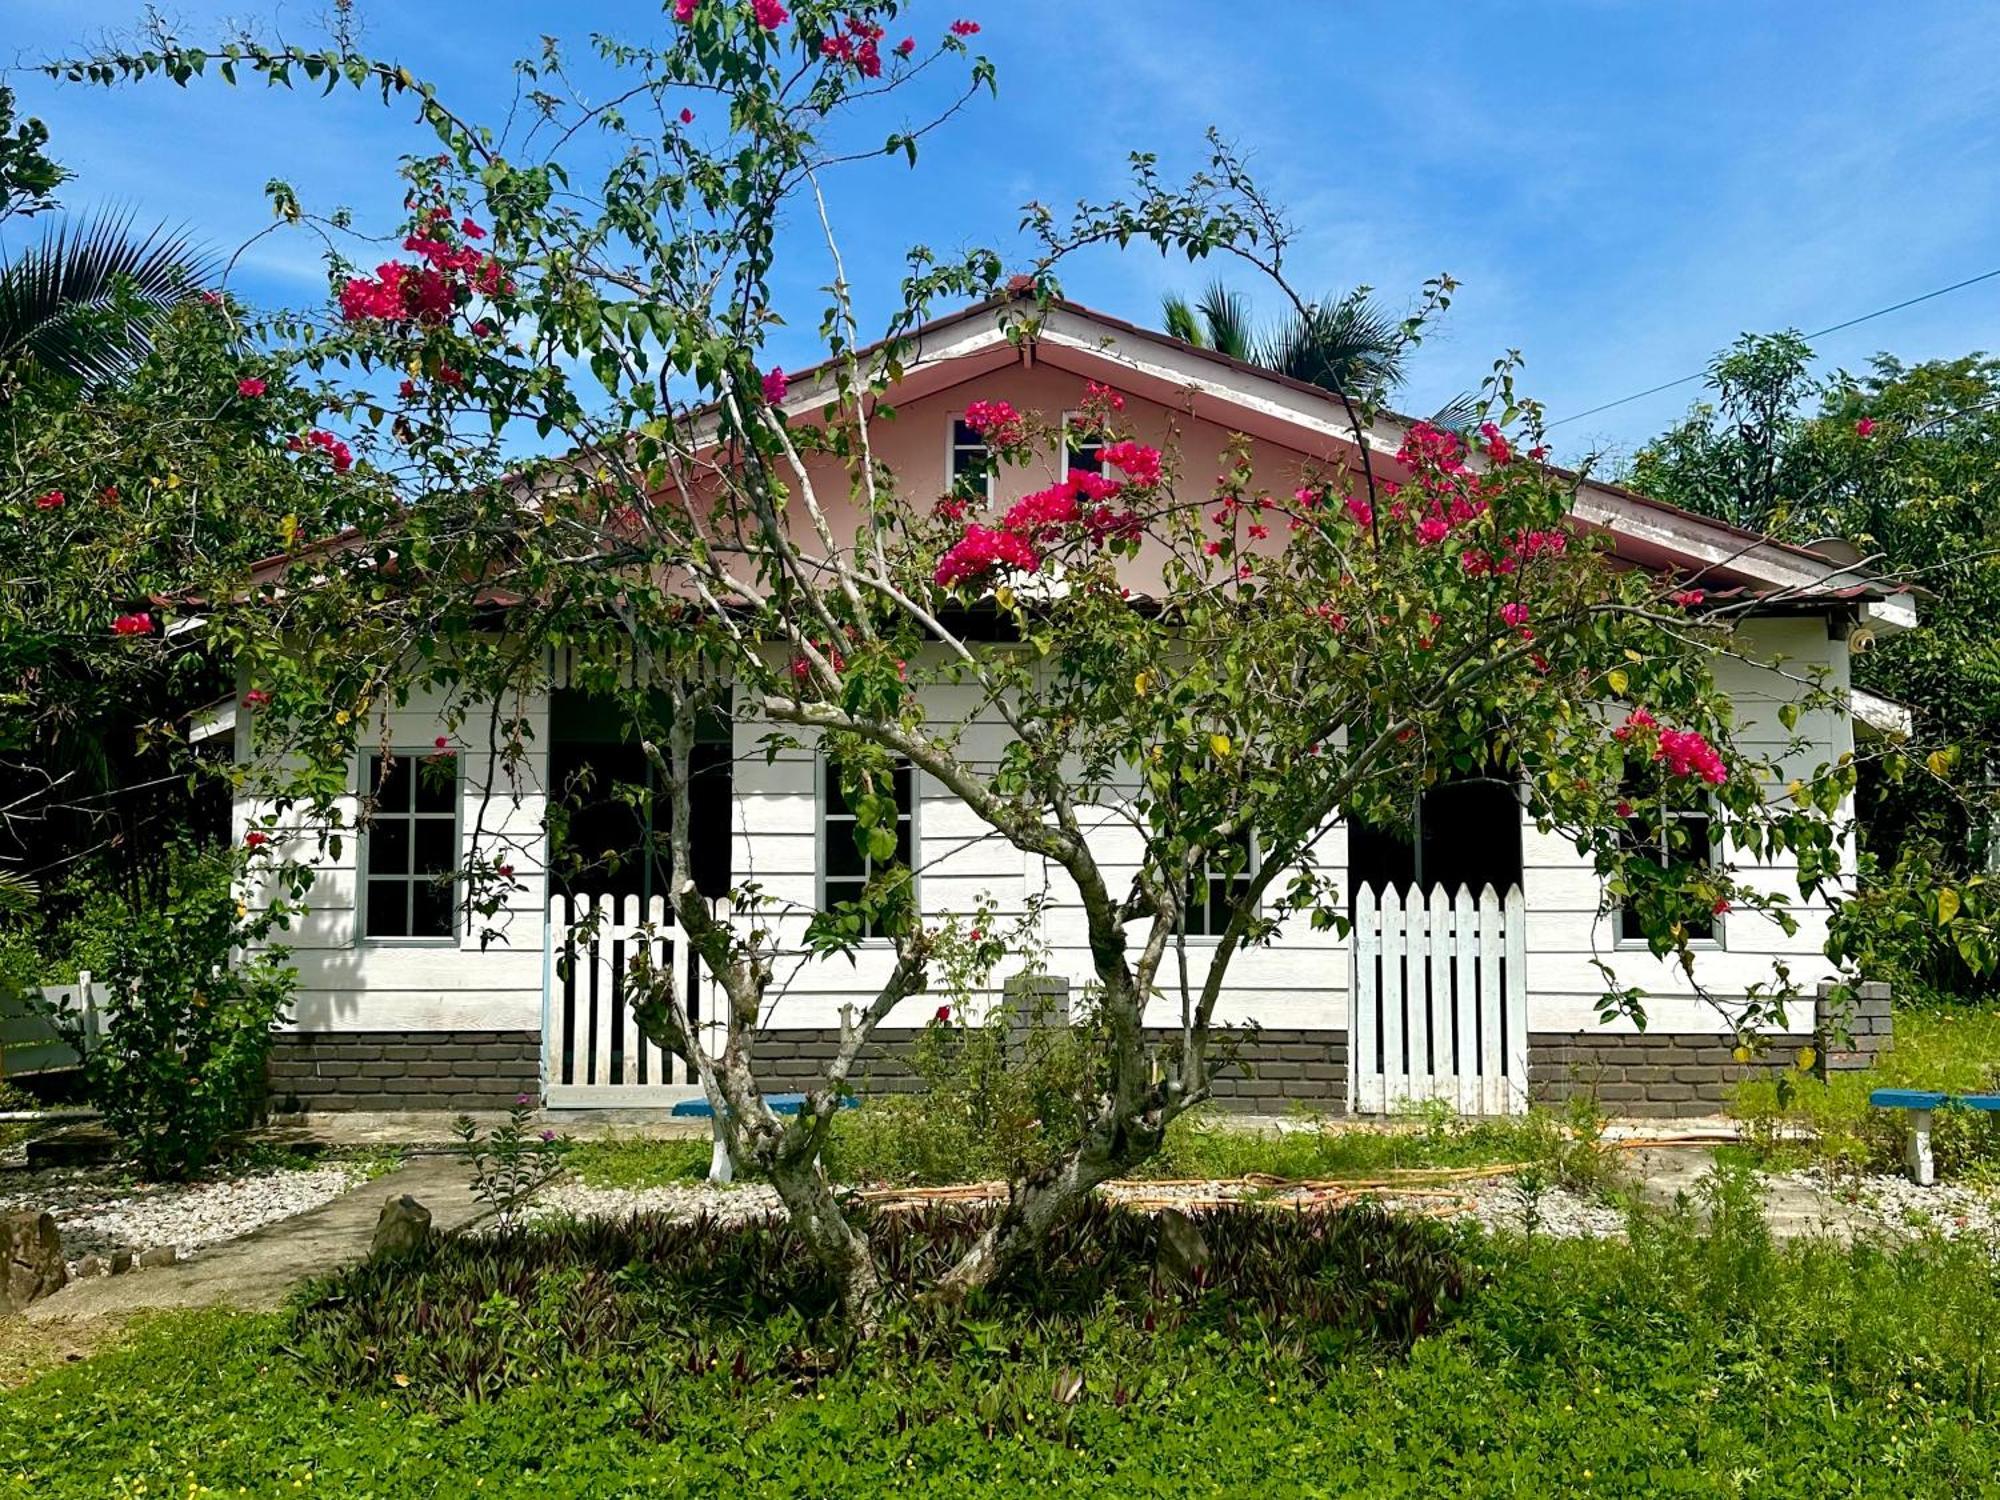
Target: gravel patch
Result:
[[99, 1214], [568, 1197], [1892, 1202]]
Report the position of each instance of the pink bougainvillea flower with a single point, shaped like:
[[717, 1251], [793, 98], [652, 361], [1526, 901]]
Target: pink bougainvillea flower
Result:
[[1515, 614], [256, 698], [1361, 510], [136, 623], [1624, 809], [256, 839], [338, 452], [1688, 598], [943, 1016], [53, 500], [407, 389], [769, 14], [505, 872], [687, 117], [997, 422], [1865, 427], [471, 230], [980, 551], [1721, 907], [1686, 753], [1139, 462], [683, 11], [1496, 443], [776, 383], [965, 28], [906, 46], [250, 387], [109, 494], [443, 742]]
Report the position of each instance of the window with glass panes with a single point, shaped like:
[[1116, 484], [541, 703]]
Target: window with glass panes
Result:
[[1083, 451], [971, 462], [410, 849], [846, 868], [1679, 833], [1222, 880]]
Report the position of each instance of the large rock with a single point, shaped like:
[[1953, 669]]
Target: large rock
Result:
[[31, 1259], [404, 1225], [1183, 1252]]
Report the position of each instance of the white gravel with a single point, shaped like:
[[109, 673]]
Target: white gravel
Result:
[[99, 1214], [1797, 1204]]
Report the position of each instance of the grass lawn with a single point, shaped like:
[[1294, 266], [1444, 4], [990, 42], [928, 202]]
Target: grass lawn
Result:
[[883, 1142], [1950, 1049], [1680, 1363]]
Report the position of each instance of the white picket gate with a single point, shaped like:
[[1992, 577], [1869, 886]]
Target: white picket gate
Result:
[[593, 1055], [1440, 1007]]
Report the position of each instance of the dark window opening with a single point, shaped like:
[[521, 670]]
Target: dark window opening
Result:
[[1467, 832], [846, 868], [971, 463], [1223, 881], [611, 819], [410, 850]]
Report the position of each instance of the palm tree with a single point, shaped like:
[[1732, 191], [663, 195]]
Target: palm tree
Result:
[[1350, 345], [81, 302]]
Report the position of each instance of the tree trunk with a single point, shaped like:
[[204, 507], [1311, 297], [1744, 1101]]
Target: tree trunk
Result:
[[841, 1249]]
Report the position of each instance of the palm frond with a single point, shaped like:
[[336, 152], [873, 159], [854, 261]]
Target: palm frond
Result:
[[1458, 414], [1225, 314], [82, 301], [17, 892], [1178, 315], [1348, 343]]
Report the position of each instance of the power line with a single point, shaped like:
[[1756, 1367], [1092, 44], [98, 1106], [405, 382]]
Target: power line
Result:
[[1879, 312]]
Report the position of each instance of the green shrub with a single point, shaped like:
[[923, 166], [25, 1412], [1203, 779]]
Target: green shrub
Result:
[[187, 1016], [468, 1317]]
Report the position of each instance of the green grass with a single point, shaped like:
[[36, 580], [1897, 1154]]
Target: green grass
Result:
[[874, 1144], [1678, 1364], [1952, 1050]]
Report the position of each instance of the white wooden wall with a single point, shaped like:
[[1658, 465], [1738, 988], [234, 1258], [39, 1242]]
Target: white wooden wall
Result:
[[1300, 981]]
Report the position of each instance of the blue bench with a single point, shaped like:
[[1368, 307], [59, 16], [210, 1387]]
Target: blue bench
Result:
[[1919, 1103], [778, 1104]]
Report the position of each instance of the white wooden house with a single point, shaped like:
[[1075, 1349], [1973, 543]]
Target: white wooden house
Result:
[[400, 1006]]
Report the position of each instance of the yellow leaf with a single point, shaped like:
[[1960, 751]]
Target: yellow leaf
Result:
[[1619, 681], [1797, 791], [1005, 596], [1141, 682], [173, 481], [290, 527], [1219, 743], [1741, 1054], [341, 716], [1631, 655], [1947, 904], [1806, 1058], [1940, 763], [401, 1378]]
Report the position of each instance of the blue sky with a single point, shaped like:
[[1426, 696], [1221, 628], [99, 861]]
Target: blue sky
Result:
[[1621, 188]]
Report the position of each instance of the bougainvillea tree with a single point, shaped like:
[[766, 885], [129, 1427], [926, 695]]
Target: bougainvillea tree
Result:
[[1173, 650]]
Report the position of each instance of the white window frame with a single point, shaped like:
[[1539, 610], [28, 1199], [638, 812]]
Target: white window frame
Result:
[[824, 819], [1714, 939], [1205, 878], [952, 448], [366, 789]]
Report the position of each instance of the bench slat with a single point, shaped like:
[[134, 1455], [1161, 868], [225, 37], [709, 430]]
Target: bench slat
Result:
[[1906, 1099]]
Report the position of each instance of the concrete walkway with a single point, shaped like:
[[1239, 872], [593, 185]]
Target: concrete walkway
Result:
[[259, 1271]]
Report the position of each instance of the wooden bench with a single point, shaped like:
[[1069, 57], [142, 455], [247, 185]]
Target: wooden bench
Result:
[[1920, 1103], [778, 1104]]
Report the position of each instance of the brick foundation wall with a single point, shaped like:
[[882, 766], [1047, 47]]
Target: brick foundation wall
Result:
[[1649, 1074], [1276, 1070], [393, 1070], [1855, 1033]]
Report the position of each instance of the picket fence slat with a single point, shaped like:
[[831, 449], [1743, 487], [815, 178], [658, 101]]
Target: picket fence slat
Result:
[[1440, 1005], [593, 1052]]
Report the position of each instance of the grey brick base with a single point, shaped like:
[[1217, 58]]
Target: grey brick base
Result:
[[1855, 1033], [1276, 1070], [1650, 1074], [403, 1069]]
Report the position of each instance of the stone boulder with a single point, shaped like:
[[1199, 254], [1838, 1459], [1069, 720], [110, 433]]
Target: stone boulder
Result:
[[1183, 1251], [403, 1227], [31, 1259]]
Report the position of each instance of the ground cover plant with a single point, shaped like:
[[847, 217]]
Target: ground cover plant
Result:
[[1681, 1363], [1798, 1120]]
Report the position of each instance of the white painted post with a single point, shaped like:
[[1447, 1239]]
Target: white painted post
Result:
[[1465, 964], [1517, 1002], [1364, 1084], [1437, 997], [1491, 1085], [1917, 1149], [1395, 1073], [1416, 1005], [549, 994]]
